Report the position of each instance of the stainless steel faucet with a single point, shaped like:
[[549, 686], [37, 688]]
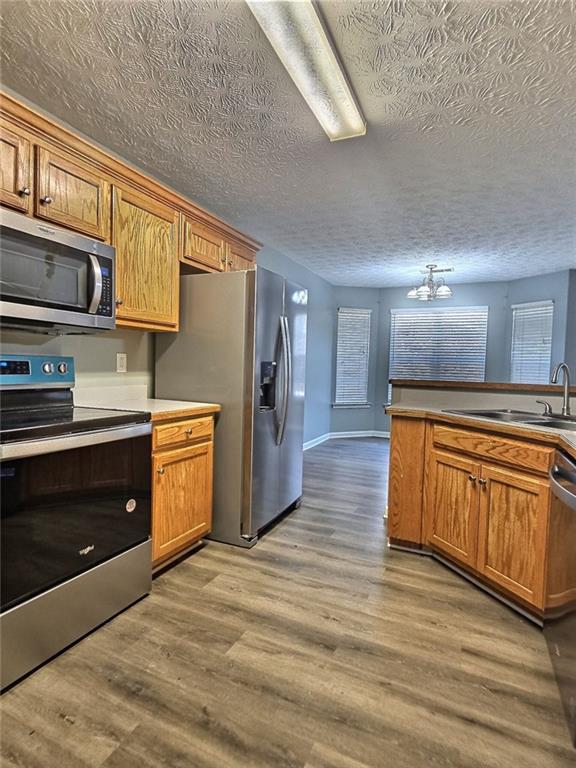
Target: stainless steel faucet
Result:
[[554, 380]]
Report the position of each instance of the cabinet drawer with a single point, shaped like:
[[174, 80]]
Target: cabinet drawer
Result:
[[179, 432], [502, 450]]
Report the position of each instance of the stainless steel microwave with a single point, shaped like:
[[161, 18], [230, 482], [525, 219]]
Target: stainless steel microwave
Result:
[[52, 279]]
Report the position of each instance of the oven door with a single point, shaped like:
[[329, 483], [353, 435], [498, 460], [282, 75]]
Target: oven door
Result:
[[69, 504], [51, 277]]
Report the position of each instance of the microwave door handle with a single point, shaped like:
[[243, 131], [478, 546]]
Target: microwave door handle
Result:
[[97, 283]]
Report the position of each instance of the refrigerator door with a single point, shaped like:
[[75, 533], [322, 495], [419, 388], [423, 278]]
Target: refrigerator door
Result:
[[291, 448], [269, 400], [211, 360]]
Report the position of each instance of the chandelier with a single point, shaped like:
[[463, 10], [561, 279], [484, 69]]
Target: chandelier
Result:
[[431, 289]]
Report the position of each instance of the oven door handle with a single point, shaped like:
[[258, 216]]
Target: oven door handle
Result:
[[565, 494], [96, 283], [28, 448]]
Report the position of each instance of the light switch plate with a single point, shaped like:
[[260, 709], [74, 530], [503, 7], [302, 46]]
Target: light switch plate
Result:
[[121, 362]]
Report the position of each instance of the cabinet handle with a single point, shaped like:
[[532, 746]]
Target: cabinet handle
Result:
[[118, 302], [482, 482], [161, 470], [25, 191], [472, 478], [46, 199], [189, 431]]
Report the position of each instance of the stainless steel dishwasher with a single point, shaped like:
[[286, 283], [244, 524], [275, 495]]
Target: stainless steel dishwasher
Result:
[[560, 629]]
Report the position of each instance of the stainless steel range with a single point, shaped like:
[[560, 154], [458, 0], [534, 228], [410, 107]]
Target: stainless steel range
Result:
[[75, 518]]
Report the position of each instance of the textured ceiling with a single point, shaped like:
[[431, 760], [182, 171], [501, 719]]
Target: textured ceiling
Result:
[[469, 159]]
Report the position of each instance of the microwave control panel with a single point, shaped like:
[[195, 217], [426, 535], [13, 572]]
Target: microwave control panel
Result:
[[106, 306], [36, 371]]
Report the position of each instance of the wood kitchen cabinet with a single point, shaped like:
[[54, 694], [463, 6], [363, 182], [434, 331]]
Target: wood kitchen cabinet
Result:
[[405, 481], [182, 485], [71, 195], [52, 174], [15, 169], [512, 530], [145, 234], [238, 257], [478, 500], [202, 245], [454, 506]]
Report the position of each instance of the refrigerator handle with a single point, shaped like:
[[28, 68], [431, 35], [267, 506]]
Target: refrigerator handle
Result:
[[287, 384]]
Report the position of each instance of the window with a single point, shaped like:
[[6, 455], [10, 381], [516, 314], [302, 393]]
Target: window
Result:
[[531, 342], [438, 343], [352, 356]]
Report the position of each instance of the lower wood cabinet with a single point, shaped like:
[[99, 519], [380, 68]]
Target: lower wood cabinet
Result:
[[181, 489], [454, 506], [480, 500], [492, 520], [512, 531]]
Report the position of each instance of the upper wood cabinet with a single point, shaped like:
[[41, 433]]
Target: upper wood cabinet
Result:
[[202, 245], [238, 257], [15, 169], [145, 234], [71, 195], [454, 506], [513, 522]]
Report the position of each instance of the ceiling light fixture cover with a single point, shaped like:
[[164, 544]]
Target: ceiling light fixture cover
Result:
[[432, 289], [299, 36]]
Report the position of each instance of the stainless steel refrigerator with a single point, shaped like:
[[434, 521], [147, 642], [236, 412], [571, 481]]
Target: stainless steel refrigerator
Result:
[[242, 343]]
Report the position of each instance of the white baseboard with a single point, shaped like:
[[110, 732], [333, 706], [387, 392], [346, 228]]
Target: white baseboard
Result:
[[343, 436]]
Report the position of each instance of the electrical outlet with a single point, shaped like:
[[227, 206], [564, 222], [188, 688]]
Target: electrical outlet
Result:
[[121, 362]]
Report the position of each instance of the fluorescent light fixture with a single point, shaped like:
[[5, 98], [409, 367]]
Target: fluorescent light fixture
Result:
[[299, 36]]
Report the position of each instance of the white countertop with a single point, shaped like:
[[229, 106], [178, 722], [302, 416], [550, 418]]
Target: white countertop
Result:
[[567, 436]]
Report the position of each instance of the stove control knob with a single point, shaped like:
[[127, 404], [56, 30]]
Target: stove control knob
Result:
[[48, 368], [62, 368]]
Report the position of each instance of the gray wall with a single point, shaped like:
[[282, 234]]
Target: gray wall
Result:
[[570, 350], [95, 355], [320, 339], [498, 296]]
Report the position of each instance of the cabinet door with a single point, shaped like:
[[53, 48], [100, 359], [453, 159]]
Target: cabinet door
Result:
[[406, 477], [181, 498], [202, 245], [238, 258], [514, 512], [454, 514], [70, 195], [145, 235], [15, 169]]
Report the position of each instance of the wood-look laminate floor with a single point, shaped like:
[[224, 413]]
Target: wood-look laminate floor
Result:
[[318, 648]]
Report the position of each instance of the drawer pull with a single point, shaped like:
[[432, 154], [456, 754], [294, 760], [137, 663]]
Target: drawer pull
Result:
[[189, 431], [161, 470]]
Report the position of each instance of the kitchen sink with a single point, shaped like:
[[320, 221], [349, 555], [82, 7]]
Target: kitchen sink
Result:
[[502, 415], [522, 417], [555, 424]]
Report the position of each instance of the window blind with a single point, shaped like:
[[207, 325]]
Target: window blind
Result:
[[447, 343], [531, 342], [352, 356]]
